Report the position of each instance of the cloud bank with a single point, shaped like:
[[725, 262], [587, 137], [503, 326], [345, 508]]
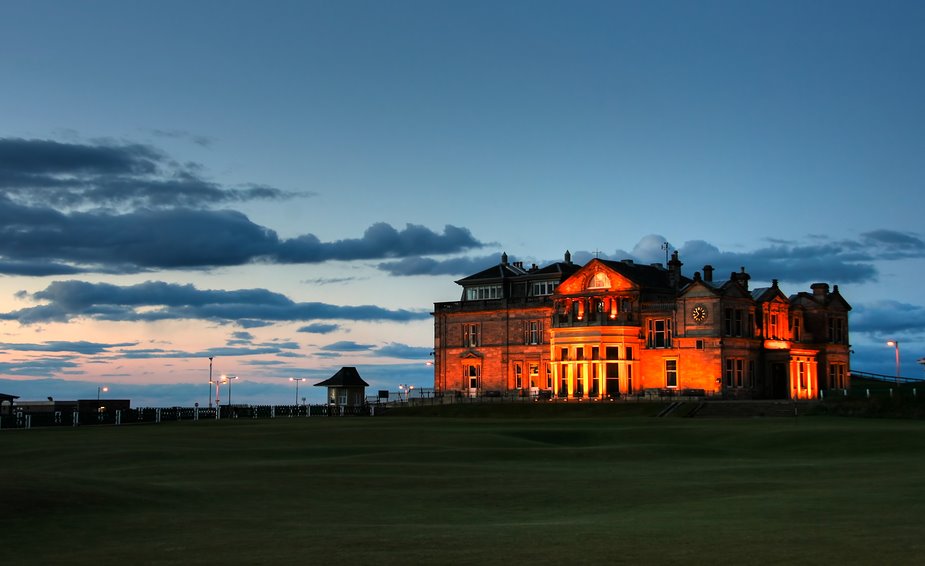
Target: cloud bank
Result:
[[63, 301], [126, 208]]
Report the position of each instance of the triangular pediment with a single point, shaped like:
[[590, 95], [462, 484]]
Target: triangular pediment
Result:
[[699, 288], [470, 354], [596, 277]]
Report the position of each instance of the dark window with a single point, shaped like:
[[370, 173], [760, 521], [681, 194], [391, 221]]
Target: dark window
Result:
[[671, 373], [471, 336]]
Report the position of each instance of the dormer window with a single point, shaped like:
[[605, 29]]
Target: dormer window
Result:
[[541, 288], [599, 281], [483, 292]]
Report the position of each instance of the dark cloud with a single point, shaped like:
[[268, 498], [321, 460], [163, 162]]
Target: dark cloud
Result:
[[40, 367], [319, 328], [429, 266], [815, 259], [75, 175], [379, 241], [125, 208], [154, 300], [329, 280], [204, 141], [101, 240], [347, 346], [79, 347], [404, 351], [888, 319], [221, 352]]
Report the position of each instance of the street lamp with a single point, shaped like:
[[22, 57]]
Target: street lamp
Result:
[[227, 379], [218, 384], [210, 382], [99, 407], [297, 380], [895, 344]]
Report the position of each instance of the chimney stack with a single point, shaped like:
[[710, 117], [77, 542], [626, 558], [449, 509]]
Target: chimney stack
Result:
[[708, 273], [820, 290], [674, 270]]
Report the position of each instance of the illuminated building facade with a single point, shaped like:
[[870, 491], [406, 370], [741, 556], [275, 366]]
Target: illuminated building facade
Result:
[[617, 328]]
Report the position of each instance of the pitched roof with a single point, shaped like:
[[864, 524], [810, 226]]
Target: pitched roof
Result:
[[559, 268], [345, 377], [644, 275], [494, 272]]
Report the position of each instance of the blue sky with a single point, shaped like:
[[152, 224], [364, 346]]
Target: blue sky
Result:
[[289, 186]]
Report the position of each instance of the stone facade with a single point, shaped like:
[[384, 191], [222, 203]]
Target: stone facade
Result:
[[610, 329]]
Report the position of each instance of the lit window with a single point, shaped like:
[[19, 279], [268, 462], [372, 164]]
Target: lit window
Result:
[[599, 281], [472, 373]]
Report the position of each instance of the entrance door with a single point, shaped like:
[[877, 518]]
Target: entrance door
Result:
[[779, 381]]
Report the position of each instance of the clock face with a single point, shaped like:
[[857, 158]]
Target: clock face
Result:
[[699, 313]]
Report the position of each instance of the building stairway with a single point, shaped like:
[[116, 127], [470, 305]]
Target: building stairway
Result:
[[745, 409]]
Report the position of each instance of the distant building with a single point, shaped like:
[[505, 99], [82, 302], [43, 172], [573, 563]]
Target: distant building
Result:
[[612, 328], [345, 388], [6, 403]]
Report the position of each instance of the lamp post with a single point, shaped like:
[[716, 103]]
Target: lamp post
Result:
[[895, 344], [218, 384], [227, 379], [210, 382], [99, 406], [297, 380]]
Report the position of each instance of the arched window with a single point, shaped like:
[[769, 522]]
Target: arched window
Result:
[[599, 281]]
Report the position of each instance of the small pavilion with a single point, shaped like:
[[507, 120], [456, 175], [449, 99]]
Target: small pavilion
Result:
[[6, 403], [345, 388]]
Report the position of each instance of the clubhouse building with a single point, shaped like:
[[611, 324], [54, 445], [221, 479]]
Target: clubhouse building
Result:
[[617, 328]]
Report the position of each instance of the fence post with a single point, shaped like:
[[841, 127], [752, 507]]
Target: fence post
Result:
[[118, 416], [157, 415], [272, 411], [76, 420], [28, 422]]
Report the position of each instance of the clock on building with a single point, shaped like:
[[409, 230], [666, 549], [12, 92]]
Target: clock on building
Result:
[[699, 313]]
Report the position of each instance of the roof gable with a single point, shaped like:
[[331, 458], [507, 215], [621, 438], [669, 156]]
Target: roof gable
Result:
[[700, 288], [345, 377], [596, 276], [770, 294]]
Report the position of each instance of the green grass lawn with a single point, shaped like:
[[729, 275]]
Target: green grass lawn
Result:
[[452, 490]]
